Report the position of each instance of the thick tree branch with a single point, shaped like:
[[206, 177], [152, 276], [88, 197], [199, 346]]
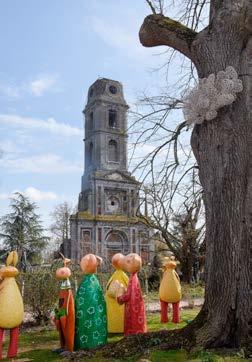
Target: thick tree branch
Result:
[[161, 30]]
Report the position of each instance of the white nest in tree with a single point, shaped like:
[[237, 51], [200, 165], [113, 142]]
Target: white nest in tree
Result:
[[210, 94]]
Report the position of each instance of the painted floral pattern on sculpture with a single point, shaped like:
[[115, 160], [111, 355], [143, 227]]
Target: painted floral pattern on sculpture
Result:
[[91, 320]]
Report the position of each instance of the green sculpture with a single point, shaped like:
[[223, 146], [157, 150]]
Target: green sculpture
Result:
[[90, 308]]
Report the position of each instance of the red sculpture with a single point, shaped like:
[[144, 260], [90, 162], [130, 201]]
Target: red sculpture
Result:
[[135, 318]]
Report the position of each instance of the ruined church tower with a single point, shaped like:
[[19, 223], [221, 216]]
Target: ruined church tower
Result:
[[107, 219]]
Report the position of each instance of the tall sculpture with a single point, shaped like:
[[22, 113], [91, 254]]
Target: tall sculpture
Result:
[[135, 318], [90, 307], [11, 304], [170, 291], [64, 314], [115, 311]]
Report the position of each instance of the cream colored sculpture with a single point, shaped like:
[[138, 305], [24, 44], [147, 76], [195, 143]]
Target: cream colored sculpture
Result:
[[11, 304]]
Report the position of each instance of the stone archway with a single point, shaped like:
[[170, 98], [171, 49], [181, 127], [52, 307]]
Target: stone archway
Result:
[[117, 242]]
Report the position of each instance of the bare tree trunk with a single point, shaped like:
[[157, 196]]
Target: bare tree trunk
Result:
[[223, 150]]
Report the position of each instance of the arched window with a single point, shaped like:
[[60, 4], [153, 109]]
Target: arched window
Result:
[[91, 121], [117, 242], [112, 118], [113, 151], [90, 154]]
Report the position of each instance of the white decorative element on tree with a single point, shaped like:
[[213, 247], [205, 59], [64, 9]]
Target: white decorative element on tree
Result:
[[211, 94]]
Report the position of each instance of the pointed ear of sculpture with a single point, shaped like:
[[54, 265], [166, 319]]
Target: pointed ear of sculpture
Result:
[[12, 258], [65, 260]]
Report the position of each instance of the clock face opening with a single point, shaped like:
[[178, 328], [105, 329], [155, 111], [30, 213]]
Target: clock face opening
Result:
[[113, 204], [112, 89]]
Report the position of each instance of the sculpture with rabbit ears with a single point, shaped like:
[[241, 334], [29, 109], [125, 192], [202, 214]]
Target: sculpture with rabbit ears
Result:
[[170, 290], [65, 313], [11, 304]]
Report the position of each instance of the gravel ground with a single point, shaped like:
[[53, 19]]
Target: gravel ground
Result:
[[150, 307], [155, 306]]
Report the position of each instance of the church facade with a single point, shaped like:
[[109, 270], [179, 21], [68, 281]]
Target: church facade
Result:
[[107, 219]]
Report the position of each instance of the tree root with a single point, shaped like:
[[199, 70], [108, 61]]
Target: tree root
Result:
[[140, 344], [194, 336]]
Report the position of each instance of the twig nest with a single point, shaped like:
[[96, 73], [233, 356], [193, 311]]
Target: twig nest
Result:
[[210, 94]]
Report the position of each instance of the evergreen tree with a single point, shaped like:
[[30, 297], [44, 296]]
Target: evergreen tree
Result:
[[21, 230]]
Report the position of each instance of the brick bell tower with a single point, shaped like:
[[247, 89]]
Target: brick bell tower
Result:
[[106, 221]]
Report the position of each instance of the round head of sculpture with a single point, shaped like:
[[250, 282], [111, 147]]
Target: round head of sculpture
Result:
[[89, 263], [10, 271], [117, 261], [170, 263], [64, 272], [132, 263]]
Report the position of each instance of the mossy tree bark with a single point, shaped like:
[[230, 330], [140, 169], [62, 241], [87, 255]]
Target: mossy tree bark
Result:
[[223, 150]]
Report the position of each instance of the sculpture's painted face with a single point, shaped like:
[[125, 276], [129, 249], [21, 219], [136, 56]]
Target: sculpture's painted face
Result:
[[118, 260], [8, 272], [89, 264], [132, 263], [171, 264], [63, 273]]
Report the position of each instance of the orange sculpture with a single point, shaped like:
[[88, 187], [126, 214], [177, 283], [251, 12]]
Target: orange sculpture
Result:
[[65, 314]]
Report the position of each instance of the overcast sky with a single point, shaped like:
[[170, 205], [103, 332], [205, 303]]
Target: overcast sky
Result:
[[51, 52]]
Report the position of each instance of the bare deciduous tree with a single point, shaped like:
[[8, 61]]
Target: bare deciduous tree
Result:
[[182, 230], [60, 227], [223, 150]]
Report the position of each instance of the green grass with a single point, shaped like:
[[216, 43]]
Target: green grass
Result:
[[36, 345], [186, 316], [42, 336], [40, 355]]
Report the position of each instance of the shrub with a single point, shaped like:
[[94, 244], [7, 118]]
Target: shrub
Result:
[[40, 293]]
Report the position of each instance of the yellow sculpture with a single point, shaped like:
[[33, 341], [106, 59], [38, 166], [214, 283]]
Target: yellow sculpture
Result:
[[170, 291], [115, 311], [11, 304]]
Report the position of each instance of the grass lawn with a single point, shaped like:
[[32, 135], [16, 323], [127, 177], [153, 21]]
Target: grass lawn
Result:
[[36, 345]]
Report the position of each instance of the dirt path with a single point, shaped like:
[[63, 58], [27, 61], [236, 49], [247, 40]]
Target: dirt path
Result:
[[155, 306]]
